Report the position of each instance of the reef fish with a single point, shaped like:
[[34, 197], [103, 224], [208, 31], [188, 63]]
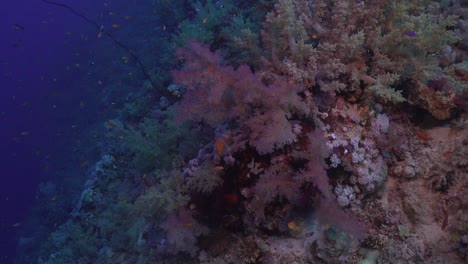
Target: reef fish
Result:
[[422, 136], [219, 147], [232, 198], [294, 226], [411, 34]]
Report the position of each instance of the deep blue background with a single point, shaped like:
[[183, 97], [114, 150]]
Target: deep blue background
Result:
[[39, 99], [59, 83]]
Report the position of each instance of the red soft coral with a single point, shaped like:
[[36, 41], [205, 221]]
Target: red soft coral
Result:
[[214, 92], [217, 94]]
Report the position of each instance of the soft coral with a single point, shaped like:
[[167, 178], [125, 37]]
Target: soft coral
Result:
[[218, 94]]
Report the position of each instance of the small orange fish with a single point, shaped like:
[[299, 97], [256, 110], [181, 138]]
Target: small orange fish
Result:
[[294, 226], [447, 153], [422, 136], [84, 164], [218, 168], [115, 25], [219, 147], [111, 124], [231, 198], [211, 69], [147, 181]]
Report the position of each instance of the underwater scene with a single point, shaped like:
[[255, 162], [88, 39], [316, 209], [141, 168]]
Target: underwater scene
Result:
[[234, 131]]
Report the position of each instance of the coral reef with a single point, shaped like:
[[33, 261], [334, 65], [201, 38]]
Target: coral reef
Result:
[[332, 132]]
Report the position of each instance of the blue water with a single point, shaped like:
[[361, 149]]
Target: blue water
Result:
[[52, 80]]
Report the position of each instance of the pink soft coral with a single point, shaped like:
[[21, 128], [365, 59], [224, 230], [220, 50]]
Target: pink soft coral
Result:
[[218, 94], [182, 231]]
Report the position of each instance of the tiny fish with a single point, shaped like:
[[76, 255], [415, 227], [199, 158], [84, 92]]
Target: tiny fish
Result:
[[19, 27], [115, 25], [146, 180], [218, 168], [294, 226], [422, 136], [447, 153], [411, 34], [219, 147], [231, 198], [111, 124]]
